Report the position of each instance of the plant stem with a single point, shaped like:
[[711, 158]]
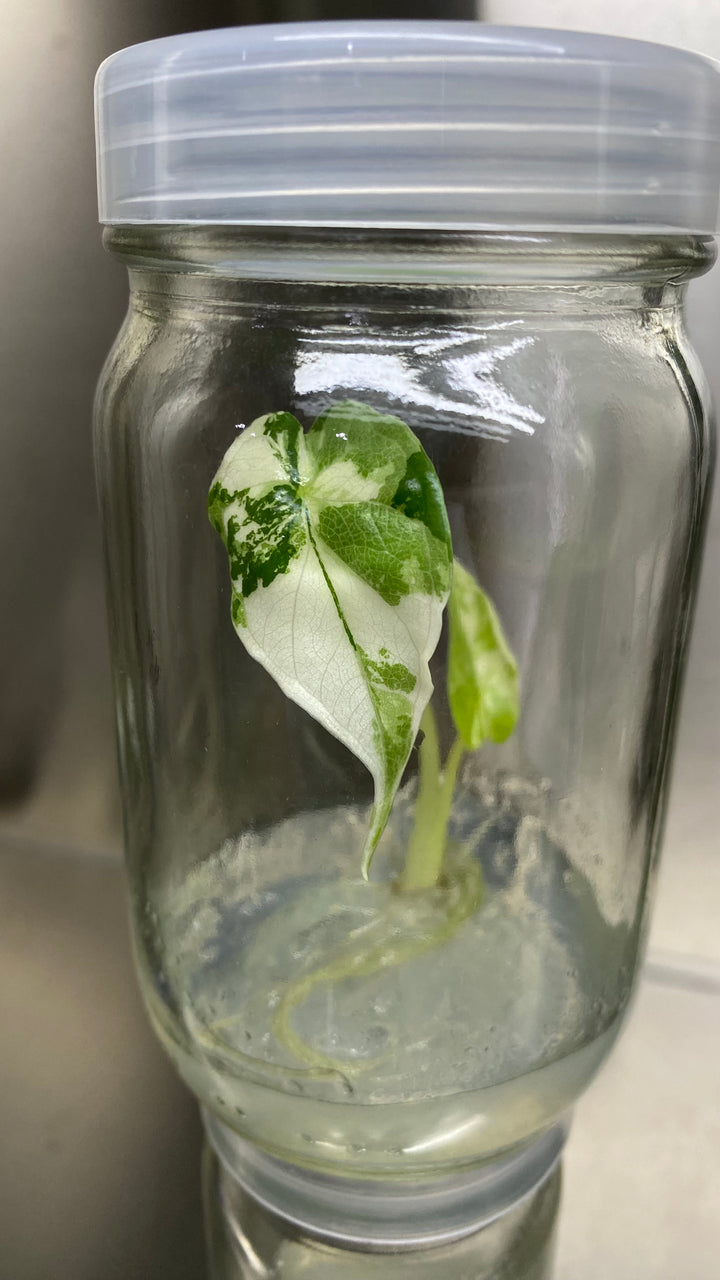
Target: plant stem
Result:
[[426, 849]]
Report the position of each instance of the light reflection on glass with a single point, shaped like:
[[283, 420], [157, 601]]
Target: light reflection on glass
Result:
[[463, 381]]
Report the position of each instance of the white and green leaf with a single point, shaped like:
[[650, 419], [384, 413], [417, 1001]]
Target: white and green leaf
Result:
[[341, 564]]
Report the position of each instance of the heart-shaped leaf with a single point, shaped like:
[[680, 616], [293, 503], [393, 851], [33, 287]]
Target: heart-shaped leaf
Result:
[[341, 564]]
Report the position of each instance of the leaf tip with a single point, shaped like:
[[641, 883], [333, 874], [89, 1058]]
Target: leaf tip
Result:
[[378, 822]]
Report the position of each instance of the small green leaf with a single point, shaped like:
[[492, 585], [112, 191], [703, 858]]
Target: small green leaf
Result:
[[341, 562], [482, 672]]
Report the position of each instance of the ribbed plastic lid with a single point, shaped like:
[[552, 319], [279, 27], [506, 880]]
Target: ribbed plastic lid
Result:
[[409, 124]]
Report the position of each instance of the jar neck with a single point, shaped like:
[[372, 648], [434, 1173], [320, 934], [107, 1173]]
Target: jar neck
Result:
[[340, 255]]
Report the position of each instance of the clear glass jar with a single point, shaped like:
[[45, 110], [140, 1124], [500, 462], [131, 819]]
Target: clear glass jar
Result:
[[403, 1024]]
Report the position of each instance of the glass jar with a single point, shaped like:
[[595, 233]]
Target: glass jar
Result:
[[334, 1019], [395, 722]]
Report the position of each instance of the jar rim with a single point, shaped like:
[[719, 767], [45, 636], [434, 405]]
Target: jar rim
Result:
[[457, 259]]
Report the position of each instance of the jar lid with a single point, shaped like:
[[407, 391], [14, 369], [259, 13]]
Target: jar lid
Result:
[[452, 125]]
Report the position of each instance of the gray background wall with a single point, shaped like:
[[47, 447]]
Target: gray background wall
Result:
[[63, 301]]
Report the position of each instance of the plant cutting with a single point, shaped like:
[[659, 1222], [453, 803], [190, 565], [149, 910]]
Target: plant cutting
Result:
[[341, 566]]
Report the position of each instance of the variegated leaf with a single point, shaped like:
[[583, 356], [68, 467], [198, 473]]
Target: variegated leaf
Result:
[[341, 564]]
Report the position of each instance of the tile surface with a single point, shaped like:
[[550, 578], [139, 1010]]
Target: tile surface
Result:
[[642, 1172]]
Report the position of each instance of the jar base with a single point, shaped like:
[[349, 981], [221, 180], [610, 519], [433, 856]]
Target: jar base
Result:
[[247, 1241], [381, 1214]]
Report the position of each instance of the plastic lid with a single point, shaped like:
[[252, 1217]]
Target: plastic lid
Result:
[[409, 124]]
